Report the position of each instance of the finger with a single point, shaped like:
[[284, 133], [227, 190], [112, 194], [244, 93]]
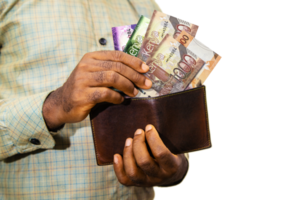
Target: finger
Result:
[[142, 156], [134, 173], [135, 77], [103, 94], [119, 56], [112, 79], [160, 152], [120, 172]]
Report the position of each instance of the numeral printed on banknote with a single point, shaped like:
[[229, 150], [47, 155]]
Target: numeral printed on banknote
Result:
[[160, 25], [210, 57], [175, 63]]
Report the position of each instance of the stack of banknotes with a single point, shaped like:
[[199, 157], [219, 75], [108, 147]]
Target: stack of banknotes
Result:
[[177, 60]]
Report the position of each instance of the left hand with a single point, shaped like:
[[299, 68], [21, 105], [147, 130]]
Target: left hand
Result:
[[138, 168]]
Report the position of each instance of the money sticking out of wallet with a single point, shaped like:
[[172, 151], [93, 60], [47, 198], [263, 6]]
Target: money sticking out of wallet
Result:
[[167, 44], [176, 103]]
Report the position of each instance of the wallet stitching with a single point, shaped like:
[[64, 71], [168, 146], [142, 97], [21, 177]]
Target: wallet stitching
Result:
[[168, 95]]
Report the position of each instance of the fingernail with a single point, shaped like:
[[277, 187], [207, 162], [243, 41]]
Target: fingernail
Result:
[[148, 83], [135, 91], [115, 159], [148, 127], [138, 132], [145, 67], [128, 142]]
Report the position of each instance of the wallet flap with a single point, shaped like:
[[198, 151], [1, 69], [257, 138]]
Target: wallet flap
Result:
[[181, 120]]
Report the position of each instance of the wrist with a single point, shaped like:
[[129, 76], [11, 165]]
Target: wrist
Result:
[[52, 113]]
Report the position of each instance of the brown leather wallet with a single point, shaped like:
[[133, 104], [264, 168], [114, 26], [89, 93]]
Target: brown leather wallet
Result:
[[181, 120]]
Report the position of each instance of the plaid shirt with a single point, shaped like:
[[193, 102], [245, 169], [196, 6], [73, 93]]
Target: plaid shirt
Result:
[[42, 41]]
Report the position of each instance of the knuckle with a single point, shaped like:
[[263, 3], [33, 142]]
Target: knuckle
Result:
[[131, 173], [113, 77], [135, 62], [132, 59], [119, 67], [145, 164], [106, 65], [100, 76], [87, 55], [78, 77], [117, 55], [138, 78], [82, 65], [148, 168], [105, 52], [76, 96], [134, 177], [75, 86], [95, 96], [163, 155], [105, 94]]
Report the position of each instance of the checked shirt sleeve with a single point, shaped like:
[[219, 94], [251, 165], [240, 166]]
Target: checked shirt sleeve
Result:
[[21, 120]]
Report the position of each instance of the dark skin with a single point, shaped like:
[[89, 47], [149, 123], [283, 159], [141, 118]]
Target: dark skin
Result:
[[88, 85], [138, 168]]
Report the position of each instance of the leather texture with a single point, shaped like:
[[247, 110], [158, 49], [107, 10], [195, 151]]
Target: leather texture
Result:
[[181, 120]]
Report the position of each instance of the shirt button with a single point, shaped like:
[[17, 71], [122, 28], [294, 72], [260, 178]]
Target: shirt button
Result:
[[103, 41], [35, 141]]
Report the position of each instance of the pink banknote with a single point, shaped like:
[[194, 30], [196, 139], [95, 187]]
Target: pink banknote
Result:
[[121, 35]]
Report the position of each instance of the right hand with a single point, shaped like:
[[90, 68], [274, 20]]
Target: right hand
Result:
[[88, 85]]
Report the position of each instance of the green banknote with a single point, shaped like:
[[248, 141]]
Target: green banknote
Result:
[[135, 41]]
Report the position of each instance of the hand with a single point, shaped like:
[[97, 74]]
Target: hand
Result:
[[88, 85], [138, 168]]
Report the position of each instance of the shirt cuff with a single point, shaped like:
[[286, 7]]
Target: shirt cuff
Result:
[[24, 127], [187, 174]]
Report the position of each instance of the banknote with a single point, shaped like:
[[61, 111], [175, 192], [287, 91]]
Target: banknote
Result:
[[176, 62], [134, 43], [147, 93], [210, 58], [160, 25], [121, 35]]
